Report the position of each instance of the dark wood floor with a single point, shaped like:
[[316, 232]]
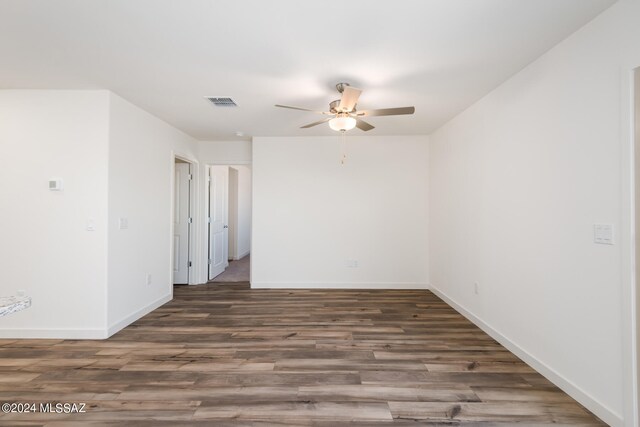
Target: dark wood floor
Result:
[[222, 354]]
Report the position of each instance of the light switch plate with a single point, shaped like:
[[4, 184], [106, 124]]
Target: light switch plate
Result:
[[123, 223], [603, 234]]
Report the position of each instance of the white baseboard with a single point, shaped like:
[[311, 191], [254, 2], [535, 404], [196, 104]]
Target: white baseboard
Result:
[[137, 314], [242, 255], [338, 285], [60, 333], [606, 414]]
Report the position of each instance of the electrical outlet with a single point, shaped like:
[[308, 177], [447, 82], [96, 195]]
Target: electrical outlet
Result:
[[476, 288], [351, 263], [21, 292], [148, 278], [603, 234]]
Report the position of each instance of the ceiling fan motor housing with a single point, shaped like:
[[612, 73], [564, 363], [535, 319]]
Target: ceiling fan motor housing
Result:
[[340, 86], [333, 107]]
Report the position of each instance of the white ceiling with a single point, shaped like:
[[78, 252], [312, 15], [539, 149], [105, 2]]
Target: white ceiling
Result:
[[166, 55]]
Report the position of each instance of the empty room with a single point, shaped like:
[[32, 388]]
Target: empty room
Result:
[[288, 213]]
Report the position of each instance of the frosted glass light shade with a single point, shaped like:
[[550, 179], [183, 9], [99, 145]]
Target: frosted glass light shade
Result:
[[342, 123]]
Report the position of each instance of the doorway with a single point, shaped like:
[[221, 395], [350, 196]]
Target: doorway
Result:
[[229, 219], [182, 221]]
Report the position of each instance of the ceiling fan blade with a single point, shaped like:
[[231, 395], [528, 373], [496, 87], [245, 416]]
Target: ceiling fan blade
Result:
[[362, 125], [387, 112], [319, 122], [301, 109], [349, 99]]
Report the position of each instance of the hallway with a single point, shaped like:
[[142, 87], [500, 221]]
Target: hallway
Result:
[[238, 271]]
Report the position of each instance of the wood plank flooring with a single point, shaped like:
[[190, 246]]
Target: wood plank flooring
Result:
[[226, 355]]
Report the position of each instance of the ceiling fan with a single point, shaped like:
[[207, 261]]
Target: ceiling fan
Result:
[[344, 115]]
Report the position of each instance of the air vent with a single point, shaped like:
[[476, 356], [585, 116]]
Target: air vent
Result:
[[222, 101]]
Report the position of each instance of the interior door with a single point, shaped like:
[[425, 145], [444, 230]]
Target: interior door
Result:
[[218, 228], [181, 221]]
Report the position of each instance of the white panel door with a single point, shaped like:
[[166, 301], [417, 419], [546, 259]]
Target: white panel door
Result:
[[181, 222], [218, 228]]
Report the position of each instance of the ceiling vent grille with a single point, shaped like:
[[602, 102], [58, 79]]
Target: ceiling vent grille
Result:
[[222, 101]]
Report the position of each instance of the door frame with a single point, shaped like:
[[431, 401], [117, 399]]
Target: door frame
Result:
[[194, 242], [225, 251], [182, 209], [630, 251], [634, 289], [205, 212], [232, 213]]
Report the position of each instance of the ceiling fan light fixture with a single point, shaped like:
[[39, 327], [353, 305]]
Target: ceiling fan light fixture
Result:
[[342, 112], [342, 122]]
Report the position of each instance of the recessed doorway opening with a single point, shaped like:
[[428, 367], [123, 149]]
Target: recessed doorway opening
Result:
[[229, 220]]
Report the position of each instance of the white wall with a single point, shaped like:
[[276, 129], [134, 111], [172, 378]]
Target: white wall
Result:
[[517, 182], [224, 152], [116, 161], [45, 247], [141, 160], [311, 214]]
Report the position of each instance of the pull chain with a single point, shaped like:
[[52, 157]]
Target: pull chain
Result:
[[343, 144]]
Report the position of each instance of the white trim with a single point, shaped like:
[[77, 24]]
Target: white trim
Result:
[[59, 333], [628, 245], [242, 255], [183, 157], [194, 230], [602, 411], [229, 162], [204, 209], [137, 315], [634, 399], [339, 285]]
